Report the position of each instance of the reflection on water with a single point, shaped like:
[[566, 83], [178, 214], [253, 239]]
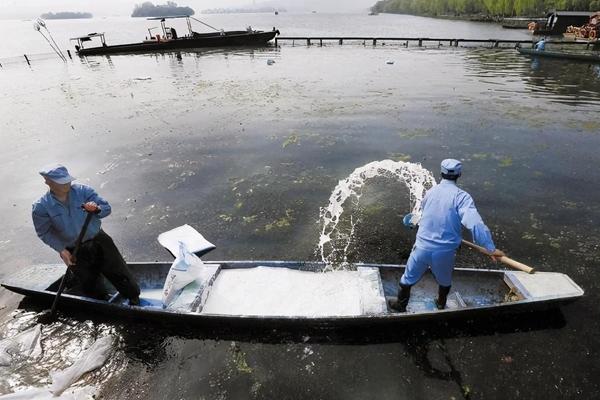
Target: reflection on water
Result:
[[562, 81], [217, 360]]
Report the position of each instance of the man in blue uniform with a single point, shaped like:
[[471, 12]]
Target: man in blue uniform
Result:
[[541, 45], [445, 208], [58, 218]]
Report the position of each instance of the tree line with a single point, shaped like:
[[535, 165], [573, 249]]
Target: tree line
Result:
[[491, 8]]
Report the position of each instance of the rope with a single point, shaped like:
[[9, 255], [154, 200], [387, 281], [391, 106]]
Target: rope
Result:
[[204, 23]]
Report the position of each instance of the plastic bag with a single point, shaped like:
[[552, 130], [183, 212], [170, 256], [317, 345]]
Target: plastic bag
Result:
[[24, 344], [193, 240], [186, 269], [91, 359]]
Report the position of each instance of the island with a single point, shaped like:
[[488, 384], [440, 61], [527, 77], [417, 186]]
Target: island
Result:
[[170, 9], [66, 15]]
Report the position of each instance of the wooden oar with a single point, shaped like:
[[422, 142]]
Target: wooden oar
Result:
[[505, 260]]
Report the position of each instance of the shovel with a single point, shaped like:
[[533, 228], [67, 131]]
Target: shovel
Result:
[[505, 260]]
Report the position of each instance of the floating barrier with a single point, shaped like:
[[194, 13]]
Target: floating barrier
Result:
[[406, 41]]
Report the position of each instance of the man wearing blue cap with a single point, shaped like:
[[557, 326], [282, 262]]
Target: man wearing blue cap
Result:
[[541, 45], [58, 217], [445, 208]]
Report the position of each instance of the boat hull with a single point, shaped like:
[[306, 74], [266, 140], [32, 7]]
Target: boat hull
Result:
[[561, 55], [483, 290], [230, 39]]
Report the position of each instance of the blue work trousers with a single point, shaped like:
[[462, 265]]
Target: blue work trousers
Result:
[[440, 262]]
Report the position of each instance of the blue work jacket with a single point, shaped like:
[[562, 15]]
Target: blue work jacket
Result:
[[445, 208], [58, 224]]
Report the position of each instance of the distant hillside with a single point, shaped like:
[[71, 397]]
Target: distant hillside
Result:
[[147, 9], [66, 15]]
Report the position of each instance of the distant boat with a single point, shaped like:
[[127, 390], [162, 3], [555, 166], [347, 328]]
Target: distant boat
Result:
[[520, 22], [373, 13], [170, 40], [557, 22], [561, 55]]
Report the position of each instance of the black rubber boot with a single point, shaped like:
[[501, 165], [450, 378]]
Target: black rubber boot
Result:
[[443, 291], [403, 297]]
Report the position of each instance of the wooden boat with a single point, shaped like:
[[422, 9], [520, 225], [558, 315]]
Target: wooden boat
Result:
[[520, 22], [474, 292], [560, 54], [170, 40], [557, 22]]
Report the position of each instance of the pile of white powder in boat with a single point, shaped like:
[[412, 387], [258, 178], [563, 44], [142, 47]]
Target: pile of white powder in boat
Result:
[[269, 291]]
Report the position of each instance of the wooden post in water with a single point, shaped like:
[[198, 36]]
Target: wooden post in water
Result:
[[69, 53], [27, 59], [496, 44], [321, 42], [374, 42], [420, 42], [308, 41], [341, 41]]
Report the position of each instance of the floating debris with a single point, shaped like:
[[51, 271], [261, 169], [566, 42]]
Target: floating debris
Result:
[[25, 344], [93, 358]]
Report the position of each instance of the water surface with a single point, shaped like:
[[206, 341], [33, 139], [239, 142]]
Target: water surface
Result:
[[248, 153]]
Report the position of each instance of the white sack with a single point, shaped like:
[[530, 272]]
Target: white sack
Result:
[[91, 359], [193, 240], [24, 344], [186, 269]]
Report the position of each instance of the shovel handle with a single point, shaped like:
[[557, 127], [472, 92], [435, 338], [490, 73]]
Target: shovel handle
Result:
[[505, 260]]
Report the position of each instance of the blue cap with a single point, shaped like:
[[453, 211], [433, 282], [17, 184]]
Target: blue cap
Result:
[[57, 173], [451, 167]]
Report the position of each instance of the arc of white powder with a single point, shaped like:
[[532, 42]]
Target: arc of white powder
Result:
[[416, 178]]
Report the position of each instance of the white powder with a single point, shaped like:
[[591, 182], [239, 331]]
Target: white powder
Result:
[[269, 291]]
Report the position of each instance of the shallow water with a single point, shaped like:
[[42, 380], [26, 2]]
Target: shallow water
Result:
[[248, 154]]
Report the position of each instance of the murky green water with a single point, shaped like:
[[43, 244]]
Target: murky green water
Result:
[[248, 153]]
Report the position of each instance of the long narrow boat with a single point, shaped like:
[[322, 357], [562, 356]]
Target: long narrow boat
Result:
[[595, 58], [170, 40], [474, 292]]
